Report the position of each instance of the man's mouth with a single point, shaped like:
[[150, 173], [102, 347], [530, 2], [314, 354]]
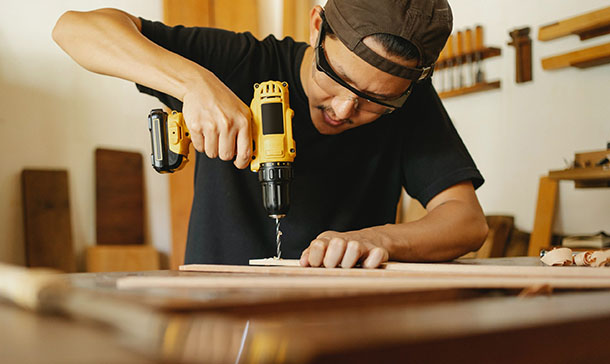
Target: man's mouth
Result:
[[332, 122]]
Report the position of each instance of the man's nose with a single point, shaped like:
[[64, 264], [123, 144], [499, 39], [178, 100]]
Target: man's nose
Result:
[[344, 107]]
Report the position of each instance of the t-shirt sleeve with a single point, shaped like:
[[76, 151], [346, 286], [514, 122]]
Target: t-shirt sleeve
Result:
[[217, 50], [434, 156]]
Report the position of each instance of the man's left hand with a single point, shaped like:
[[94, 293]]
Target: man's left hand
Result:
[[333, 249]]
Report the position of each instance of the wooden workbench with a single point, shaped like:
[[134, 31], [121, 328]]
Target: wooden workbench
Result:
[[329, 326]]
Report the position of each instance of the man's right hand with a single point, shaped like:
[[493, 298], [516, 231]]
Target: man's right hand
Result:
[[219, 122]]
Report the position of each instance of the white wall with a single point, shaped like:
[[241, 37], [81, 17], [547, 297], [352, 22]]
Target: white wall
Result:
[[54, 114], [519, 132]]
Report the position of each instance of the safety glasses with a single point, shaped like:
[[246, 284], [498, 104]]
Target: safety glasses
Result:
[[364, 102]]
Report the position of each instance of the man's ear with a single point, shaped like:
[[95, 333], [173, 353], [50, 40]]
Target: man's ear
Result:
[[315, 22]]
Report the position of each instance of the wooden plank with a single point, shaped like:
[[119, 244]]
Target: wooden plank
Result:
[[46, 219], [237, 15], [363, 284], [181, 201], [398, 269], [545, 215], [122, 258], [584, 23], [296, 19], [189, 13], [582, 58], [119, 195]]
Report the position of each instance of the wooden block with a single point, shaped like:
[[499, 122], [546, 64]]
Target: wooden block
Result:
[[119, 197], [583, 58], [126, 258], [46, 219], [545, 214], [590, 159], [584, 25]]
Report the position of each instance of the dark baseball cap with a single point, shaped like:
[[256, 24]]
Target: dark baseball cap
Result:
[[425, 23]]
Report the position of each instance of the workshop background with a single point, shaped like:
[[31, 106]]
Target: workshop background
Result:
[[55, 114]]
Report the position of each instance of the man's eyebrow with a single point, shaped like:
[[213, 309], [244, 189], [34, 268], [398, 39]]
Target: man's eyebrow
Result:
[[347, 79]]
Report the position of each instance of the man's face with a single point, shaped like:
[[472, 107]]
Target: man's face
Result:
[[334, 108]]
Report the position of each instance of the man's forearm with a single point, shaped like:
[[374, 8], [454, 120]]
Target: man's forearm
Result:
[[108, 41], [447, 232]]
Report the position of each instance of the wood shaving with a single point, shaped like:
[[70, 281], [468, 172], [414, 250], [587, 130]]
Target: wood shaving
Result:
[[558, 256], [600, 258], [564, 256], [584, 258]]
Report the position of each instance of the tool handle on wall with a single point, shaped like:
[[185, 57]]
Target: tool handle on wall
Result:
[[478, 38]]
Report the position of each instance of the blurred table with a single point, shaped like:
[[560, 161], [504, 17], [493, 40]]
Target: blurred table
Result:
[[254, 326]]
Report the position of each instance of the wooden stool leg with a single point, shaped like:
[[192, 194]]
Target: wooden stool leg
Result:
[[545, 214]]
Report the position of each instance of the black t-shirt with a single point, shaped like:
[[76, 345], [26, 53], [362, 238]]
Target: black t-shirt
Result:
[[341, 182]]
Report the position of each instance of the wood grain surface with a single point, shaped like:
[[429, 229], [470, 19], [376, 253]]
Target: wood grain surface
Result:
[[392, 276], [119, 197], [46, 219]]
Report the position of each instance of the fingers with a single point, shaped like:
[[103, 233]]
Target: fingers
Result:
[[220, 134], [317, 250], [353, 252], [210, 142], [244, 147], [197, 140], [334, 252], [375, 257], [304, 261]]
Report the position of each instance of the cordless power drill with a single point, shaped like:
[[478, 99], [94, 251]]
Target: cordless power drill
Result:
[[273, 148]]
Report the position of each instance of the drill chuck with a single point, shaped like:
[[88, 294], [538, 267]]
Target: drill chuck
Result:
[[275, 178]]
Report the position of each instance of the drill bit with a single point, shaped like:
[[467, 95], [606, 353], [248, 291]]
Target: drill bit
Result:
[[278, 238]]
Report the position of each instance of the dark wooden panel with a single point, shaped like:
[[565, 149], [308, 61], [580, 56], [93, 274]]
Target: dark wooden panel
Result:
[[46, 219], [119, 197]]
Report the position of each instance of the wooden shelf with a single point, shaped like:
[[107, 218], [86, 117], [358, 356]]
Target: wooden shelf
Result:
[[586, 26], [583, 58], [471, 89], [485, 53], [582, 174]]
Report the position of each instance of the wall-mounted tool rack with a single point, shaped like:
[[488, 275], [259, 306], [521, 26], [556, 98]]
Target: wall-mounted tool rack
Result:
[[586, 26], [459, 67]]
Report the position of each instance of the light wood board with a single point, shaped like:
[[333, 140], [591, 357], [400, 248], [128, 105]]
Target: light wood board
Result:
[[582, 58], [576, 25], [290, 266], [391, 277], [362, 284]]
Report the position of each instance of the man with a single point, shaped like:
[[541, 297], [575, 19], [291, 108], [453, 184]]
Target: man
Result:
[[367, 122]]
